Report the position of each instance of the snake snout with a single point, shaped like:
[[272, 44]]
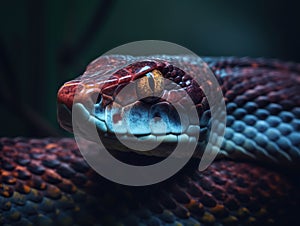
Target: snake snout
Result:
[[67, 93]]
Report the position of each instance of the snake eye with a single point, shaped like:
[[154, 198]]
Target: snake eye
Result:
[[151, 85]]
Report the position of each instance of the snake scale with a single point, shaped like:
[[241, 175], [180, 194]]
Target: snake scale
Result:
[[254, 181]]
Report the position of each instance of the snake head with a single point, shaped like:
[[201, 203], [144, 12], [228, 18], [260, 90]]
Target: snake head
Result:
[[147, 100]]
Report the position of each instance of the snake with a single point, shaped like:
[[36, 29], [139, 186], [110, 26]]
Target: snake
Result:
[[253, 181]]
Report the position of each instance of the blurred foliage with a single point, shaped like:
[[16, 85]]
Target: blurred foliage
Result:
[[45, 43]]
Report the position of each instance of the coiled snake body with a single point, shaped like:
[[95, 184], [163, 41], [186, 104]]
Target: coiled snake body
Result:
[[254, 181]]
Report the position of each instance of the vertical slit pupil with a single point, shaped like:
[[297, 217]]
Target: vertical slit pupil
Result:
[[151, 81]]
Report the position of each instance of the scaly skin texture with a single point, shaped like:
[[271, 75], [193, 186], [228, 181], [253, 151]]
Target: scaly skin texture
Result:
[[47, 182]]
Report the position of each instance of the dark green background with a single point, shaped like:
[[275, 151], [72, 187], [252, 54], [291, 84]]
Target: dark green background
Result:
[[45, 43]]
